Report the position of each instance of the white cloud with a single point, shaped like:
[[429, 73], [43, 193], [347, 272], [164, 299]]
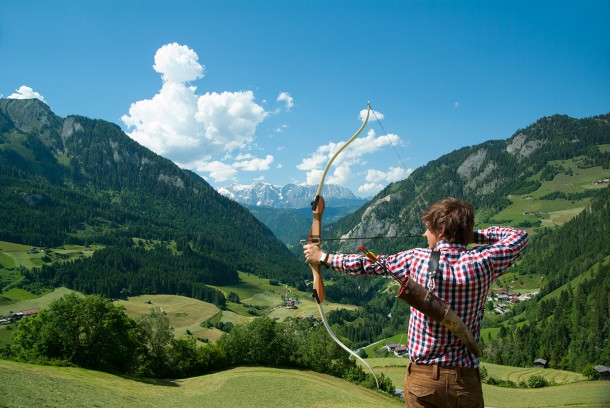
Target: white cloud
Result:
[[229, 119], [254, 163], [287, 99], [178, 63], [25, 92], [192, 129], [217, 170], [353, 155], [393, 174], [368, 189], [377, 179], [373, 116], [281, 128]]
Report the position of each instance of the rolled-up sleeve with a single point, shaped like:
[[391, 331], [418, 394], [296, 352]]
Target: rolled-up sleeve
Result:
[[354, 265], [505, 245], [396, 265]]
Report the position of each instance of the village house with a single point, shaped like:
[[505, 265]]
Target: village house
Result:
[[29, 312], [291, 303], [601, 181], [24, 313], [603, 371], [390, 346], [540, 363], [400, 351]]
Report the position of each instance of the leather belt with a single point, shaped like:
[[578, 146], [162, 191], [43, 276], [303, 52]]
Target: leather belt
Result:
[[436, 370]]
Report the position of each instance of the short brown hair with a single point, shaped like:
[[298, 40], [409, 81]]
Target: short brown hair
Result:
[[451, 216]]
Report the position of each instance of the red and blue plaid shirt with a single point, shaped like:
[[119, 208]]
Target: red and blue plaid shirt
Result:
[[463, 280]]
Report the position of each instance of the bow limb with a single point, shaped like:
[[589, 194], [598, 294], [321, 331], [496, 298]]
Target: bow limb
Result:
[[343, 346], [351, 139], [315, 238], [317, 207]]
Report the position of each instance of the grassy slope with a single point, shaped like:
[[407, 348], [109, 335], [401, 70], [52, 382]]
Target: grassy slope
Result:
[[554, 212], [188, 314], [572, 390], [248, 386]]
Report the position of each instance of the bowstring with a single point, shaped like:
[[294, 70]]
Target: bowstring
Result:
[[404, 167], [409, 176]]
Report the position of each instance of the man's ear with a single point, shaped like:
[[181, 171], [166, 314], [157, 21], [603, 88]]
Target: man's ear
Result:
[[441, 234]]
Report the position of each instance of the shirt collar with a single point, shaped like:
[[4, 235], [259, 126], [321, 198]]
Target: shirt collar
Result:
[[443, 245]]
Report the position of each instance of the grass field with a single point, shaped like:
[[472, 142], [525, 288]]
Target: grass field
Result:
[[572, 389], [515, 374], [530, 207], [184, 313], [268, 299], [25, 386], [29, 302]]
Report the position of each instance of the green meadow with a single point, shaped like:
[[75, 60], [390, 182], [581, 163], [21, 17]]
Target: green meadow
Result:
[[26, 385], [572, 390], [531, 207]]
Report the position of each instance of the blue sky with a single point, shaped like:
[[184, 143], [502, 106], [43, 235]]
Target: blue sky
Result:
[[244, 91]]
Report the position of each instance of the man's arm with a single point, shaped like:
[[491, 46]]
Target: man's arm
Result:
[[506, 245]]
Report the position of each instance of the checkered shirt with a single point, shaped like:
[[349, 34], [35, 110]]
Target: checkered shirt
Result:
[[463, 280]]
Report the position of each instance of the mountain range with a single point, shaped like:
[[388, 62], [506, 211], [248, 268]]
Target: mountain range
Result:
[[164, 230], [288, 196], [78, 180], [286, 210], [507, 181]]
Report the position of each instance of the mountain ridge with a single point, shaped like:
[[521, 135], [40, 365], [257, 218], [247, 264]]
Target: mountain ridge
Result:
[[86, 181], [293, 196], [486, 174]]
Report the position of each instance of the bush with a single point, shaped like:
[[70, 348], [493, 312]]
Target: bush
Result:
[[590, 372], [484, 373], [537, 381]]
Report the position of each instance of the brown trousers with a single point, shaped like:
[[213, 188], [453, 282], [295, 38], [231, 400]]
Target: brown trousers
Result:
[[434, 386]]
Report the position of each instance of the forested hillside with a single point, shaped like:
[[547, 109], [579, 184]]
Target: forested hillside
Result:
[[83, 181], [568, 324], [488, 175], [165, 230], [551, 179]]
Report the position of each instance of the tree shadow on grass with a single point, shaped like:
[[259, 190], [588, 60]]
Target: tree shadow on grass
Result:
[[162, 382]]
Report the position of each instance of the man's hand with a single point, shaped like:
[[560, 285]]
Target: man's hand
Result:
[[312, 253]]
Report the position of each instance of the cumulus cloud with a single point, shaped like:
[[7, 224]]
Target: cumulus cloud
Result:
[[287, 99], [25, 92], [374, 115], [353, 155], [192, 129], [377, 179], [217, 170], [249, 163], [353, 158], [178, 63]]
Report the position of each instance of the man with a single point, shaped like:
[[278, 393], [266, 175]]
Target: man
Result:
[[442, 371]]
